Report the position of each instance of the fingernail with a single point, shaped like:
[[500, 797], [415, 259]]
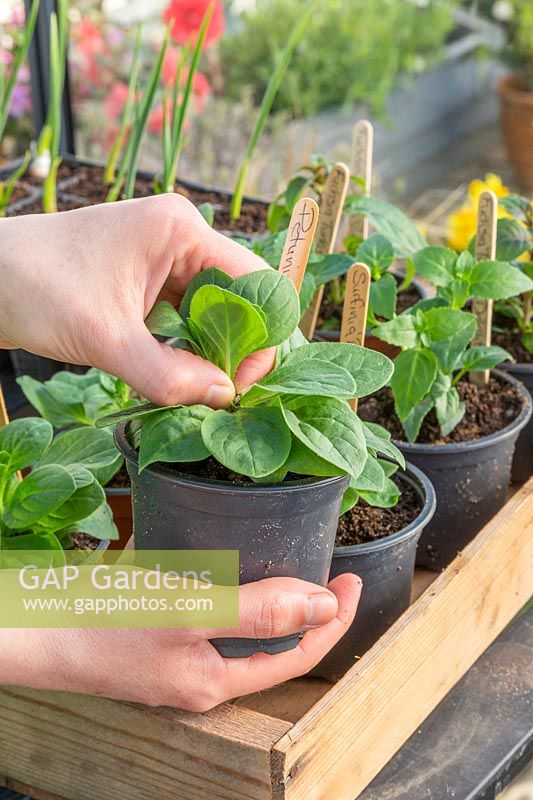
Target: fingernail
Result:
[[220, 395], [321, 608]]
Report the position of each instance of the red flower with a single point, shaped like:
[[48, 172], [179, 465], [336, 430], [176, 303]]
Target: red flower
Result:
[[155, 120], [187, 16], [202, 90], [200, 85], [116, 100]]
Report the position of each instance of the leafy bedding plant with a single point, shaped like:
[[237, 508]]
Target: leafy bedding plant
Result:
[[61, 496], [69, 400], [296, 420], [435, 336], [515, 243]]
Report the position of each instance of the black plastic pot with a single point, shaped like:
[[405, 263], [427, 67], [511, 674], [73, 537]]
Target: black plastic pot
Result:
[[386, 567], [523, 456], [471, 481], [286, 530]]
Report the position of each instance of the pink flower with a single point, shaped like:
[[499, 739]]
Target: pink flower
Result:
[[116, 100], [187, 16], [200, 85], [20, 101], [202, 90], [155, 120]]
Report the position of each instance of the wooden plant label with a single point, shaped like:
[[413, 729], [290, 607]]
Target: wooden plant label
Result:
[[300, 236], [355, 309], [331, 208], [363, 141], [4, 417], [487, 217]]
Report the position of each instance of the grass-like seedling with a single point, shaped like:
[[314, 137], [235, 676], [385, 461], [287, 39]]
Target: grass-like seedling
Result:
[[61, 496], [8, 75], [297, 419], [7, 186], [266, 105]]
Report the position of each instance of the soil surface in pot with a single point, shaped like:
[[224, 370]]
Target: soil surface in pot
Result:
[[88, 184], [119, 481], [331, 312], [510, 339], [212, 470], [364, 523], [19, 193], [488, 410], [82, 541]]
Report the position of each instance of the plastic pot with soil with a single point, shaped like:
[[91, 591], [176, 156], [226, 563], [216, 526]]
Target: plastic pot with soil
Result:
[[470, 468], [379, 545], [286, 530]]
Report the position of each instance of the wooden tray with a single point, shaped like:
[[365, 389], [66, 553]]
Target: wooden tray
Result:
[[305, 740]]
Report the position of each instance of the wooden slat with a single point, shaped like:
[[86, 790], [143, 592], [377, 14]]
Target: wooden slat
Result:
[[336, 749], [331, 209], [78, 747]]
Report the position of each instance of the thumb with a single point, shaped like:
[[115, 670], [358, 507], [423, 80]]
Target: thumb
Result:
[[168, 376]]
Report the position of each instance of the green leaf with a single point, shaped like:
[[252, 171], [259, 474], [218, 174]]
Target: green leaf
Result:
[[388, 221], [208, 212], [34, 541], [450, 410], [209, 277], [436, 264], [252, 441], [295, 340], [99, 525], [303, 461], [228, 327], [386, 498], [383, 293], [307, 292], [329, 267], [477, 359], [496, 280], [83, 503], [324, 378], [370, 370], [276, 296], [377, 253], [372, 478], [518, 206], [413, 421], [24, 440], [164, 320], [330, 429], [349, 500], [379, 440], [426, 305], [401, 331], [414, 373], [447, 332], [127, 414], [512, 239], [173, 435], [86, 447], [38, 494], [55, 407]]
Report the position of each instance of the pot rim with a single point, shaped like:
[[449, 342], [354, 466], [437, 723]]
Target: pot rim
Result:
[[415, 477], [518, 366], [117, 491], [509, 87], [516, 425], [210, 485]]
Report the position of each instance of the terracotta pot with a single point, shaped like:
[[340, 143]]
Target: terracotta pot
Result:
[[119, 500], [517, 125]]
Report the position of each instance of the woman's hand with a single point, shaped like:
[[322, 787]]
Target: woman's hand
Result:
[[77, 287], [181, 668]]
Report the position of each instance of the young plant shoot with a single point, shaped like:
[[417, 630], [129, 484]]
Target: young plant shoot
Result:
[[8, 75], [297, 419], [46, 163], [61, 496], [174, 123], [127, 114], [266, 105], [124, 183], [7, 186], [435, 335]]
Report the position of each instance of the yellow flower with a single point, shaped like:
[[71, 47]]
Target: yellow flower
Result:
[[462, 223]]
